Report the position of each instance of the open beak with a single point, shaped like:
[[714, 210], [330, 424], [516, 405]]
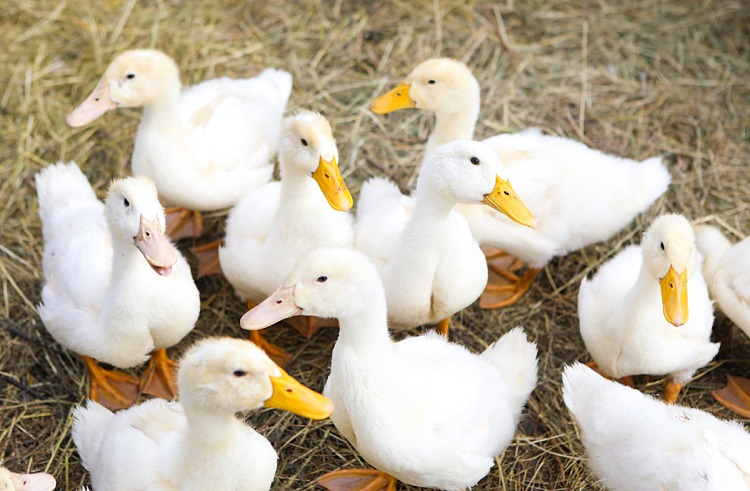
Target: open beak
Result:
[[674, 297], [33, 482], [506, 201], [98, 103], [397, 98], [292, 396], [332, 184], [155, 247], [277, 307]]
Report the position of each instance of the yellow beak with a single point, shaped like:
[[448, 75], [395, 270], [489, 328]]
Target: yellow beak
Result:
[[397, 98], [506, 201], [674, 297], [333, 186], [292, 396]]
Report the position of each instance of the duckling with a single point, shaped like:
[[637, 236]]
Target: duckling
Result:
[[430, 264], [196, 443], [270, 228], [578, 195], [637, 443], [203, 147], [116, 288], [39, 481], [647, 310], [727, 272], [423, 410]]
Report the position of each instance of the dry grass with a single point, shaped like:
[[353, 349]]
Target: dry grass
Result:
[[638, 78]]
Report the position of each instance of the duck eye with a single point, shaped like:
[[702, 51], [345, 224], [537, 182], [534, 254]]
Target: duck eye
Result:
[[304, 142], [240, 373], [131, 75], [322, 279], [662, 246], [474, 161], [126, 202], [431, 82]]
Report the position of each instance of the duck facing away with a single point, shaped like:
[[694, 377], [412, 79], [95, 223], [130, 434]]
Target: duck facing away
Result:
[[196, 443], [578, 195], [203, 147], [431, 265], [270, 228], [647, 310], [40, 481], [116, 288], [727, 272], [424, 411], [637, 443]]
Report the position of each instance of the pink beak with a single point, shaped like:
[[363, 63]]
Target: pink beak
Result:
[[98, 103], [155, 247], [33, 482], [278, 306]]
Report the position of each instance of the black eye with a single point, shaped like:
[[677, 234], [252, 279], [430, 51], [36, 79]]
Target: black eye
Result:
[[126, 202], [322, 279], [474, 161], [431, 82], [304, 142], [131, 75], [662, 246], [240, 373]]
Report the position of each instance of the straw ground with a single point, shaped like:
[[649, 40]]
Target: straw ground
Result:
[[637, 78]]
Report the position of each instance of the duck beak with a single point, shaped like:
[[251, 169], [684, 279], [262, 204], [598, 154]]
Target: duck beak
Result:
[[277, 307], [98, 103], [155, 247], [397, 98], [33, 482], [292, 396], [506, 201], [332, 184], [674, 297]]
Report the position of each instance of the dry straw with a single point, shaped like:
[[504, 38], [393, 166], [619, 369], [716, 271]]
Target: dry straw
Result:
[[637, 78]]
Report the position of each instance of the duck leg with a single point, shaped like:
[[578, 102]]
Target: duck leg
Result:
[[504, 287], [112, 389], [183, 223], [671, 391], [358, 480], [280, 356], [735, 396], [208, 258], [624, 380], [160, 379], [442, 327]]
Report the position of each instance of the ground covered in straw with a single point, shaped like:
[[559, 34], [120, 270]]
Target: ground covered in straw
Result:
[[638, 78]]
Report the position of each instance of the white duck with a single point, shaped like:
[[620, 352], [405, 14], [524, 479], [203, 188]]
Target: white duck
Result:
[[639, 315], [39, 481], [116, 289], [727, 272], [578, 195], [204, 147], [196, 443], [637, 443], [430, 264], [271, 227], [423, 410]]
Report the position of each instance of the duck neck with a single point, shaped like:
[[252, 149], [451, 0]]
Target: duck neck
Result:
[[646, 292], [367, 330], [209, 428], [452, 126], [163, 109], [300, 194], [432, 207], [126, 259]]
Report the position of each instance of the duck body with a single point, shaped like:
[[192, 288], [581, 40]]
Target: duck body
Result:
[[101, 298], [622, 314], [271, 227], [727, 272], [430, 263], [635, 442], [203, 147]]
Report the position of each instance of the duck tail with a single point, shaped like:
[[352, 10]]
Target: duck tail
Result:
[[515, 357], [89, 423], [60, 186], [652, 179], [582, 388]]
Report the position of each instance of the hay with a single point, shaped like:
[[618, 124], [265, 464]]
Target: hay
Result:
[[636, 78]]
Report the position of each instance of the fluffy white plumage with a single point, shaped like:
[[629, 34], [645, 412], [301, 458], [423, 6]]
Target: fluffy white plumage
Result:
[[102, 299], [637, 443]]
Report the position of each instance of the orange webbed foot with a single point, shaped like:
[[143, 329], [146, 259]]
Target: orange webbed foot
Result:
[[160, 378], [504, 286], [735, 396], [358, 480], [183, 223], [208, 258], [111, 388]]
